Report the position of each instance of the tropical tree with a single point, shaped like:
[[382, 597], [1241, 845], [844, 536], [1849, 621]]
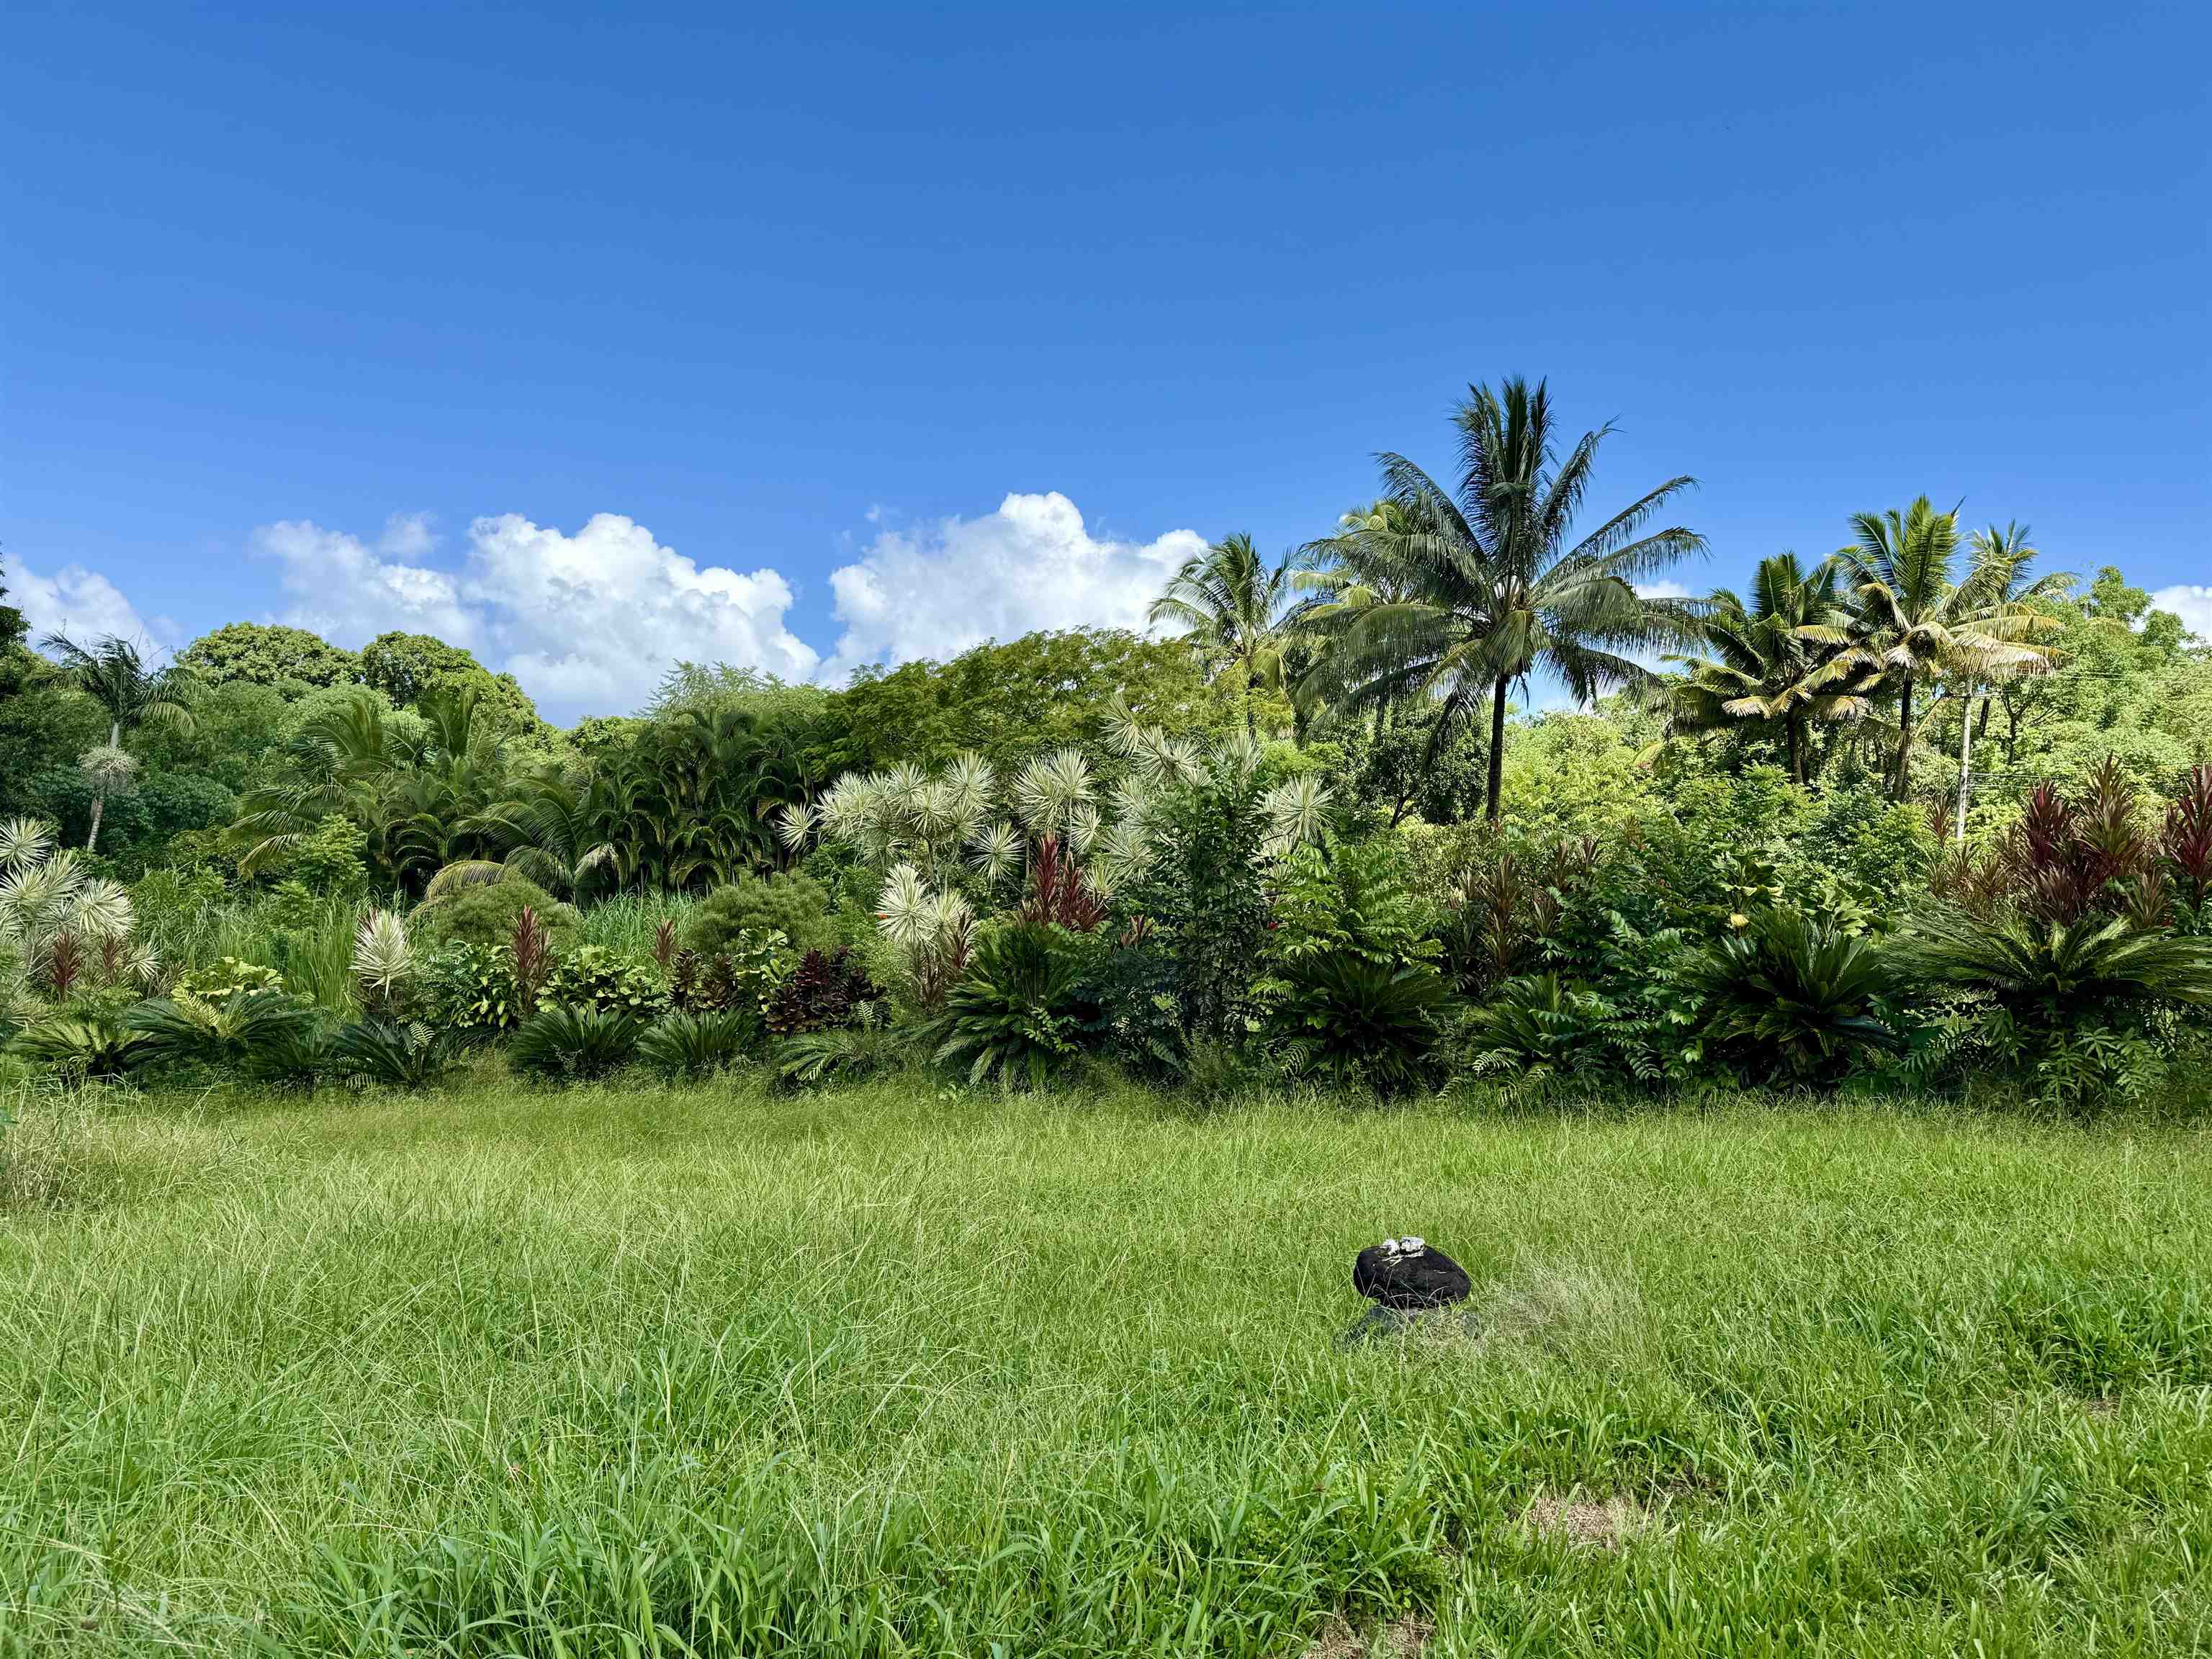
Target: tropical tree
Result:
[[1458, 595], [2008, 561], [132, 693], [1781, 660], [1913, 622], [1233, 603]]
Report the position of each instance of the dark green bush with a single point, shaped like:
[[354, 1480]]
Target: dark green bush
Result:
[[562, 1042], [692, 1045], [1796, 998], [467, 988], [1015, 1013], [1352, 1021], [843, 1053], [404, 1056], [484, 916], [81, 1048], [796, 905], [222, 1034], [1539, 1028]]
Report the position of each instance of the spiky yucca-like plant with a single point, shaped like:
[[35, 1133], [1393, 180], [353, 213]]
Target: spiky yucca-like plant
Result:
[[2048, 973], [383, 960]]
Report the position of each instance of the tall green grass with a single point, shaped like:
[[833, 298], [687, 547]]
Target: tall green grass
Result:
[[630, 1370]]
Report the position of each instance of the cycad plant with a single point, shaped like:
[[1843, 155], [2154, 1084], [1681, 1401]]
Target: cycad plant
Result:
[[1797, 998], [1461, 593], [561, 1040], [1014, 1014], [1349, 1020], [2049, 974]]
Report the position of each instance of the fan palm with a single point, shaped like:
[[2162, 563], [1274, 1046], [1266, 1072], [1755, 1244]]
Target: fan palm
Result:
[[1779, 660], [1233, 604], [112, 674], [1457, 596], [1913, 622]]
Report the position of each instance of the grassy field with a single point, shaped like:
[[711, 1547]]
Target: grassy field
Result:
[[632, 1371]]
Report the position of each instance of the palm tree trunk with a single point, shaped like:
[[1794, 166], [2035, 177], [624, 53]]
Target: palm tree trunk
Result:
[[100, 797], [1795, 726], [1900, 784], [1495, 803], [1966, 763]]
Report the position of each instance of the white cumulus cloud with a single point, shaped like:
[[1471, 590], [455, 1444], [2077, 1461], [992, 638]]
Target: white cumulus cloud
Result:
[[587, 623], [78, 602], [2192, 602], [938, 590]]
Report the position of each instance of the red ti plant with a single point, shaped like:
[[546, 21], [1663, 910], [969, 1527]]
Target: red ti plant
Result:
[[1059, 892], [64, 963], [2185, 844], [533, 959], [664, 943]]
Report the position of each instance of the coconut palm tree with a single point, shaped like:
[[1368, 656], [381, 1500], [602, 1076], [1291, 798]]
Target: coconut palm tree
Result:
[[2006, 556], [115, 675], [1457, 595], [1912, 622], [1781, 660], [1233, 604]]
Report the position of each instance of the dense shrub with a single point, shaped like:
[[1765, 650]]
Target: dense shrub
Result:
[[401, 1055], [591, 977], [1540, 1029], [223, 979], [691, 1045], [331, 861], [79, 1047], [845, 1053], [560, 1040], [796, 905], [485, 914], [1015, 1014], [191, 1031], [1797, 999], [748, 975], [1347, 1019], [823, 991], [466, 987]]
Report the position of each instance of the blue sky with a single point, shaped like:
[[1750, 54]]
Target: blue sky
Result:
[[597, 337]]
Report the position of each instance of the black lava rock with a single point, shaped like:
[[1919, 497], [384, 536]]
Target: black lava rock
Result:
[[1408, 1274]]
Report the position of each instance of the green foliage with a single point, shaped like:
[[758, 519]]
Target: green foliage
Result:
[[598, 981], [193, 1030], [1799, 999], [564, 1042], [2049, 977], [1539, 1030], [842, 1054], [1351, 1020], [1356, 896], [401, 1056], [220, 981], [331, 861], [415, 671], [82, 1048], [1008, 702], [485, 914], [1015, 1013], [683, 1044], [1199, 897], [795, 905], [268, 654], [468, 989]]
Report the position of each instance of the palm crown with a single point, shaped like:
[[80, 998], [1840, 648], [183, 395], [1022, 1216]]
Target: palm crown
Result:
[[1233, 603], [1454, 595]]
